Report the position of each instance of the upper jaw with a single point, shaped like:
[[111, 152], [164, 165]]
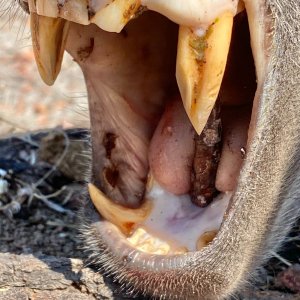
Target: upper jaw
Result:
[[216, 271]]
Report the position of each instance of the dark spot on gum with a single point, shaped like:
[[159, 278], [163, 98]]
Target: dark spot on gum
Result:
[[111, 175], [124, 33], [85, 52], [109, 143]]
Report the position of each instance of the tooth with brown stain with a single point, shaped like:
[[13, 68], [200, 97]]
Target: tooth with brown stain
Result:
[[126, 219], [49, 37], [201, 61], [206, 238], [116, 15]]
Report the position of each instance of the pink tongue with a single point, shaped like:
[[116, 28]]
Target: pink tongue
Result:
[[172, 149]]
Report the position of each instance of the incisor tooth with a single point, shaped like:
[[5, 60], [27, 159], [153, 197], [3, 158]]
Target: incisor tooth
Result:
[[201, 62], [148, 243], [116, 15], [75, 11], [49, 37], [124, 218]]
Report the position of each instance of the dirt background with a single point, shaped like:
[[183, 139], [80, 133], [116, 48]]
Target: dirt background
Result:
[[26, 103], [39, 216]]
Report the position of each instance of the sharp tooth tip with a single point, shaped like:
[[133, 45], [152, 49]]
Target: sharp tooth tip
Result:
[[124, 218], [49, 37], [48, 80]]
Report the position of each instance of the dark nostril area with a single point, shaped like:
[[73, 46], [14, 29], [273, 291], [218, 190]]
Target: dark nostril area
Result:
[[24, 5]]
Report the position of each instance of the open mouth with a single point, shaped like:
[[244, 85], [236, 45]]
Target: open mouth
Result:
[[174, 93]]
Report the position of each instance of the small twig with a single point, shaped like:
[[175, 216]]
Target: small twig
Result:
[[27, 139], [54, 206], [57, 163], [55, 194]]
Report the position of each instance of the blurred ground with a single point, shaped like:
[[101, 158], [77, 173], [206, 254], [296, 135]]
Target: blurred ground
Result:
[[26, 103]]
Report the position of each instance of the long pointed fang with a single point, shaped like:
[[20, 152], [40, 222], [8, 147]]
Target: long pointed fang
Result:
[[201, 62], [124, 218], [49, 37]]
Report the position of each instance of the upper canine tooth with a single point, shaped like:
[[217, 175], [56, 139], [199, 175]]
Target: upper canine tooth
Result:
[[116, 15], [49, 37], [201, 62], [124, 218]]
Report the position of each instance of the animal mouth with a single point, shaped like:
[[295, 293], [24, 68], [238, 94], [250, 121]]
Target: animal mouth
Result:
[[173, 113]]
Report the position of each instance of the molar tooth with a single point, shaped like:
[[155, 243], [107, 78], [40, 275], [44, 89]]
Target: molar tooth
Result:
[[49, 37], [206, 238], [201, 62], [47, 8], [124, 218], [116, 15]]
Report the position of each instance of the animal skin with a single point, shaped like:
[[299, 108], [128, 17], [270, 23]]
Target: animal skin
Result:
[[266, 202]]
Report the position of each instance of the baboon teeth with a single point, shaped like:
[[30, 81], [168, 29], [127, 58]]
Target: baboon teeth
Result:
[[126, 219], [111, 16], [201, 62], [116, 15], [76, 10], [146, 242], [49, 37]]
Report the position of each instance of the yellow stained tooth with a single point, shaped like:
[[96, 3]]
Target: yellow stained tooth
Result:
[[206, 238], [201, 62], [124, 218], [49, 37], [116, 15], [148, 243]]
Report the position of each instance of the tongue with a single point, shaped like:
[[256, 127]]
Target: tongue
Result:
[[172, 149], [173, 155]]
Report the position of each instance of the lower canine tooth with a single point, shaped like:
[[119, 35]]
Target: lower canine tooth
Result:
[[49, 37], [201, 62], [116, 15], [124, 218], [206, 238]]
